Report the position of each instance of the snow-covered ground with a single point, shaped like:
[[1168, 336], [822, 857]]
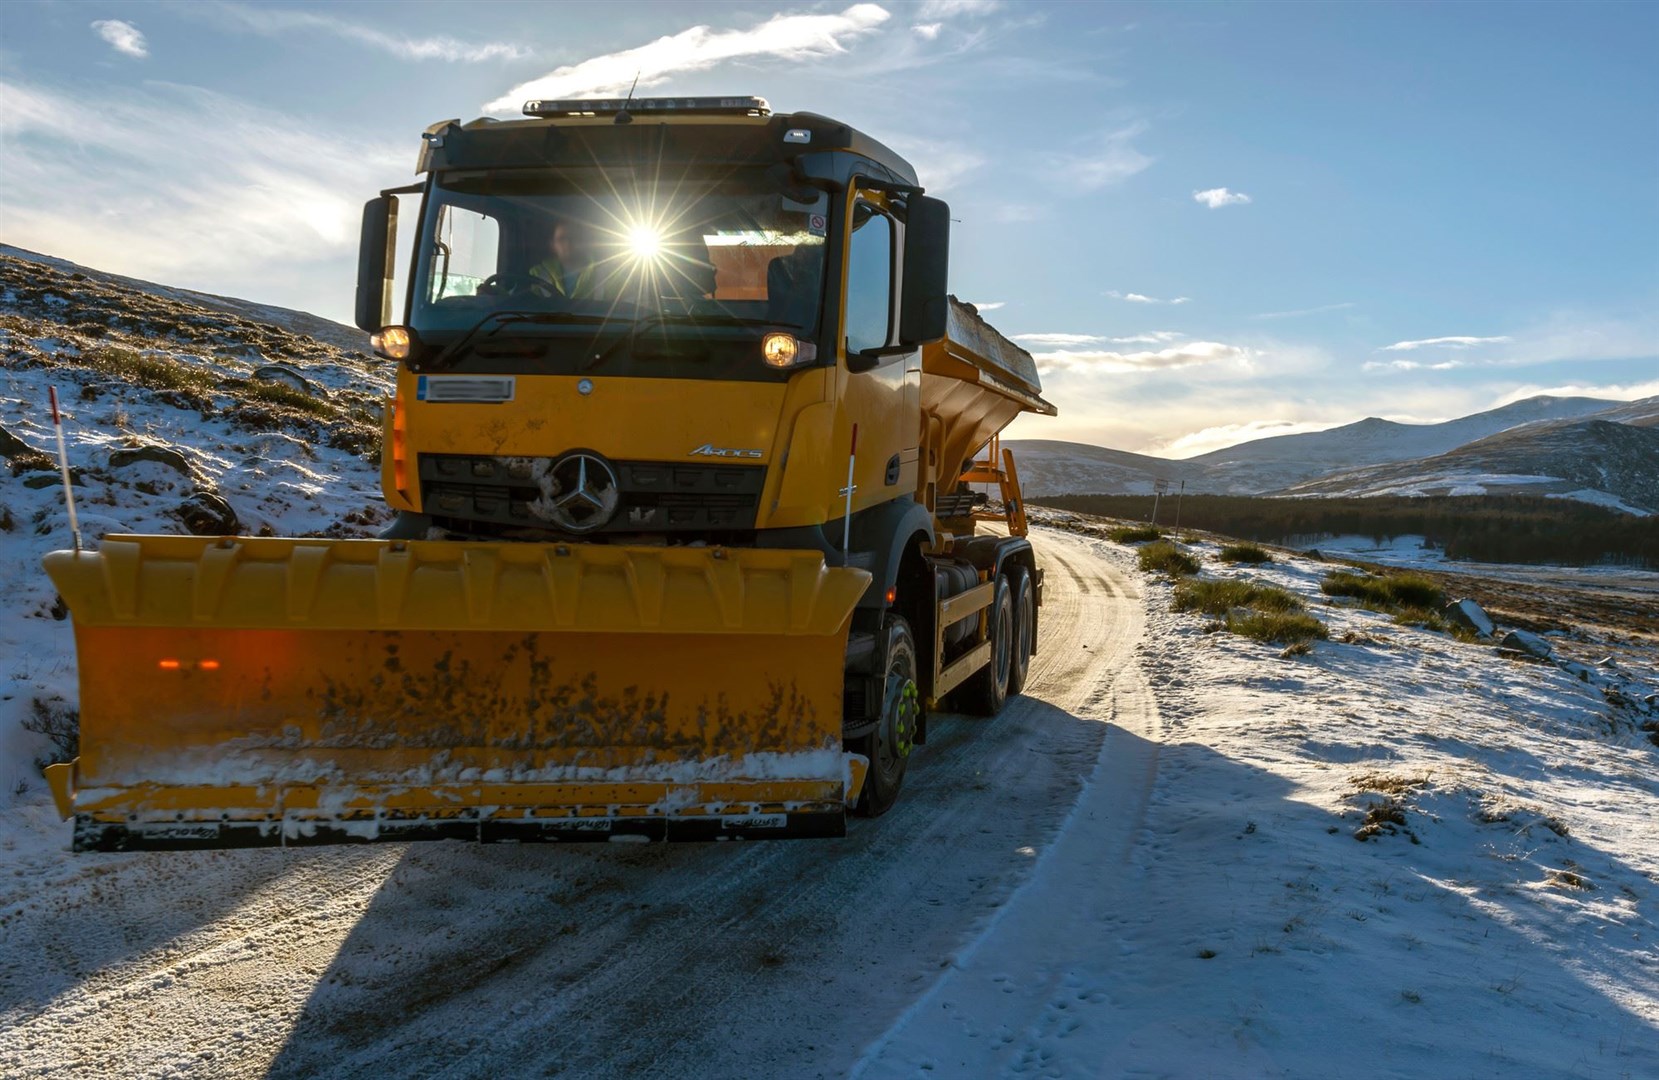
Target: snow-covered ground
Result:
[[1232, 925]]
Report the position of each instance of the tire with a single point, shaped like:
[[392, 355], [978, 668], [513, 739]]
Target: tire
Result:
[[1025, 629], [987, 689], [888, 746]]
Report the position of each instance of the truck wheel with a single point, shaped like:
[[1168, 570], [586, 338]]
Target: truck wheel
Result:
[[986, 690], [1025, 628], [888, 746]]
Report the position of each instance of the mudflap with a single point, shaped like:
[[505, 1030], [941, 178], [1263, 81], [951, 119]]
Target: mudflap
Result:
[[263, 692]]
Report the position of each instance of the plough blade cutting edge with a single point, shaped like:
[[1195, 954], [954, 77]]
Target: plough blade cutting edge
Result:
[[253, 691]]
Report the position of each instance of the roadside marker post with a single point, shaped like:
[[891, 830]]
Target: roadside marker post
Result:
[[63, 467]]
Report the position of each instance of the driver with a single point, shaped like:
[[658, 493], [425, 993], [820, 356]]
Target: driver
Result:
[[570, 268]]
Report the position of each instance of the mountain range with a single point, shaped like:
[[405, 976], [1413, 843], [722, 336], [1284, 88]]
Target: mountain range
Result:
[[1592, 449]]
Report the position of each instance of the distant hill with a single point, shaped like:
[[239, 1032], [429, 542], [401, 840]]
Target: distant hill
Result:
[[1355, 456], [1283, 460], [1593, 460]]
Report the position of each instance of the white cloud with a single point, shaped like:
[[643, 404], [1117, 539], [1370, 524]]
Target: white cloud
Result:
[[1153, 337], [782, 37], [1305, 311], [928, 31], [1113, 160], [1060, 339], [1190, 354], [950, 9], [988, 305], [271, 21], [940, 165], [1216, 198], [1222, 436], [1458, 342], [1142, 298], [1412, 365], [123, 37], [237, 199]]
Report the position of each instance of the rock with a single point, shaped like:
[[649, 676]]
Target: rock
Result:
[[284, 375], [11, 446], [1470, 616], [1526, 643], [161, 455], [47, 479], [206, 514], [1314, 554]]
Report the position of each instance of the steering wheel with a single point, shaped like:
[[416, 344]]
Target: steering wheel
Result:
[[509, 283]]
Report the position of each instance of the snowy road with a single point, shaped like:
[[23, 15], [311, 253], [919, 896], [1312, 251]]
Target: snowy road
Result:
[[788, 958]]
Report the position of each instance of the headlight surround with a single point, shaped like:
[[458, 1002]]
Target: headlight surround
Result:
[[783, 351]]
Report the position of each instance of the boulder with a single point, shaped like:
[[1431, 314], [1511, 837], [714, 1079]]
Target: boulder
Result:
[[1469, 615], [284, 376], [161, 455], [1528, 644], [11, 446], [206, 514]]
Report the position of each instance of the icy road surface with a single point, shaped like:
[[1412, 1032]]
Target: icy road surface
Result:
[[763, 959]]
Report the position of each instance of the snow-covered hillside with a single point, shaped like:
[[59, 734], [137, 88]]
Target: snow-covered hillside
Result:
[[182, 414], [1594, 460]]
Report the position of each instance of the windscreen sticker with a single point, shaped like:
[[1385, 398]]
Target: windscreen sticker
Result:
[[817, 225], [471, 389]]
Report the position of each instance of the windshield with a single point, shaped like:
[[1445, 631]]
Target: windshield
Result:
[[610, 243]]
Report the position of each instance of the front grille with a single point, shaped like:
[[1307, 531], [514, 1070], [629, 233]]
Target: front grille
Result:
[[654, 496]]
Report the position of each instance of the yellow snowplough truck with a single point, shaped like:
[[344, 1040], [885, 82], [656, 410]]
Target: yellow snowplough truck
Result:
[[682, 448]]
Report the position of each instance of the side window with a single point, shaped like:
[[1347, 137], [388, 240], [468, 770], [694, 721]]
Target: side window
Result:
[[466, 250], [869, 279]]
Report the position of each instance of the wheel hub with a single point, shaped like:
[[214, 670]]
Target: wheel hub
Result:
[[899, 714]]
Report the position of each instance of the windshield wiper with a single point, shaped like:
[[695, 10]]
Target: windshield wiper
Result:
[[506, 318]]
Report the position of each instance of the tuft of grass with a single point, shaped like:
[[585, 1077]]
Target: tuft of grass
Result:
[[281, 394], [1164, 557], [1220, 597], [60, 724], [1245, 553], [154, 372], [1277, 627], [1389, 593], [1133, 534]]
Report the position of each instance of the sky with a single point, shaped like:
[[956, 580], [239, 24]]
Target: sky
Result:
[[1209, 222]]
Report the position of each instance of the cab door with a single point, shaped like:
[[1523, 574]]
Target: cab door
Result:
[[885, 400]]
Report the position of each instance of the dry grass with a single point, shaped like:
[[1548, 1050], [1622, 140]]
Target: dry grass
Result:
[[1165, 558], [1221, 597], [1388, 592], [1133, 534], [1245, 553], [1277, 627]]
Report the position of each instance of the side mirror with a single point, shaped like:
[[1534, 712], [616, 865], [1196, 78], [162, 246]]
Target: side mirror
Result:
[[376, 263], [924, 303]]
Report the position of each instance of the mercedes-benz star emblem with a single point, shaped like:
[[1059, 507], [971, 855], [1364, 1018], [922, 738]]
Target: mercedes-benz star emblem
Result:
[[584, 387], [579, 493]]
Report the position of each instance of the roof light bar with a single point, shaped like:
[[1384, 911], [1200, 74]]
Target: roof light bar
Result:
[[731, 106]]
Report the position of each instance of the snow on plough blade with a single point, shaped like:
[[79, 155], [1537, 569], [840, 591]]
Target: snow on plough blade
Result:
[[249, 691]]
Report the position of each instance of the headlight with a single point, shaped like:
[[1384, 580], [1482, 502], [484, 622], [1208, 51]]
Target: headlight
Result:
[[786, 351], [393, 342]]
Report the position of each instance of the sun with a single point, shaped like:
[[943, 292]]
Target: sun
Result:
[[644, 242]]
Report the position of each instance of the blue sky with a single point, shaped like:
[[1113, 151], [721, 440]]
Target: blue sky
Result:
[[1208, 221]]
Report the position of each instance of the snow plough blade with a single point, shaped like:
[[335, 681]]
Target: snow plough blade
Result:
[[248, 691]]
